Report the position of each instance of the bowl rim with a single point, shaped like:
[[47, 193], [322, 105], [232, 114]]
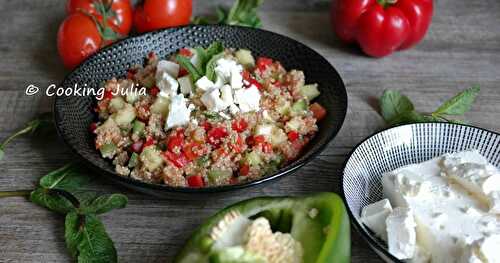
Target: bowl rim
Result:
[[217, 189], [364, 234]]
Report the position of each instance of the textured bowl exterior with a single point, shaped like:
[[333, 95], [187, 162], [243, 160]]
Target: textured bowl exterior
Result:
[[73, 114], [408, 144]]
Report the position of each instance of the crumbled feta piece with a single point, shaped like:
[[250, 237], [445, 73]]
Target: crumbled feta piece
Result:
[[233, 109], [484, 250], [204, 83], [185, 84], [374, 216], [227, 94], [179, 113], [169, 67], [219, 82], [224, 67], [401, 235], [167, 84], [236, 79], [264, 129], [211, 99], [247, 99]]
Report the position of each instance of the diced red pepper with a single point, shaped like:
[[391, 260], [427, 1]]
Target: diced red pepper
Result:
[[188, 150], [267, 147], [206, 125], [263, 63], [238, 145], [154, 91], [318, 111], [244, 169], [92, 127], [179, 160], [175, 140], [259, 139], [185, 52], [255, 83], [108, 94], [195, 181], [250, 140], [215, 134], [137, 146], [182, 72], [246, 75], [293, 135], [239, 125]]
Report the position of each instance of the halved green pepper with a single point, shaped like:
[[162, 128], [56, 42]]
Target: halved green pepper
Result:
[[319, 222]]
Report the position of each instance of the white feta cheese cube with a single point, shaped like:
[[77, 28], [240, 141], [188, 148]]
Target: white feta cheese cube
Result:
[[248, 99], [401, 235], [233, 109], [179, 113], [224, 67], [211, 99], [236, 78], [185, 84], [167, 84], [227, 94], [264, 129], [374, 216], [169, 67], [219, 82], [204, 83], [484, 250]]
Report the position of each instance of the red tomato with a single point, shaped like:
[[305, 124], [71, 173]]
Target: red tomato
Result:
[[179, 160], [215, 134], [157, 14], [263, 63], [185, 52], [244, 169], [118, 12], [259, 139], [195, 181], [293, 135], [318, 111], [77, 39], [206, 125], [175, 140], [239, 125]]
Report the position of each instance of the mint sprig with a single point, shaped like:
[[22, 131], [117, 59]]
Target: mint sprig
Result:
[[61, 191], [397, 109], [242, 13]]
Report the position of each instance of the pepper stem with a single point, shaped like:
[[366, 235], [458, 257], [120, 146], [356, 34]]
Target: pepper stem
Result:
[[386, 3], [15, 193]]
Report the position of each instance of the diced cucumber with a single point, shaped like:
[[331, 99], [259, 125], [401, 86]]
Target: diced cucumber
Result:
[[299, 106], [151, 158], [186, 85], [132, 95], [310, 91], [264, 129], [133, 161], [284, 108], [108, 150], [278, 136], [294, 124], [138, 128], [245, 58], [116, 103], [253, 158], [125, 116], [109, 124], [160, 106], [218, 177]]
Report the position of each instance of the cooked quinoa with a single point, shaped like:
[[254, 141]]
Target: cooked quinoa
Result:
[[207, 119]]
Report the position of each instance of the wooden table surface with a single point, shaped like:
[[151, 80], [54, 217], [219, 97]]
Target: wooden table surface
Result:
[[461, 49]]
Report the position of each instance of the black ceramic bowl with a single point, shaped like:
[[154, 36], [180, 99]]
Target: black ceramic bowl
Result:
[[73, 114]]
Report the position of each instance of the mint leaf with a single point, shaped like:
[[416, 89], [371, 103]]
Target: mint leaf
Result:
[[393, 105], [459, 104], [411, 117], [52, 201], [242, 13], [67, 178], [106, 203], [186, 63], [210, 68], [87, 240]]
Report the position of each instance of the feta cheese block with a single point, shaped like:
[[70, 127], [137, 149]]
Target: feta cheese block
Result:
[[178, 113], [247, 99], [374, 216], [484, 250], [167, 84], [204, 83], [211, 99], [165, 66], [449, 213], [401, 235]]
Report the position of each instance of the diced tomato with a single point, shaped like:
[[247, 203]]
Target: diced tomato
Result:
[[92, 127], [195, 181], [108, 94], [293, 135], [137, 146], [259, 139], [267, 147], [318, 111], [149, 141], [250, 140], [255, 83], [263, 63], [206, 125], [246, 75], [298, 144], [154, 91], [233, 180], [188, 150], [239, 125], [176, 140], [182, 72], [215, 134], [238, 145], [244, 169], [179, 160], [185, 52], [218, 153]]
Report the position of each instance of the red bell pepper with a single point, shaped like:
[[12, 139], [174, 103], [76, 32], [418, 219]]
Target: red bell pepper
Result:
[[381, 27]]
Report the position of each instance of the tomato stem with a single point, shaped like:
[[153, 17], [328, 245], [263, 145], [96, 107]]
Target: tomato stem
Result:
[[386, 3]]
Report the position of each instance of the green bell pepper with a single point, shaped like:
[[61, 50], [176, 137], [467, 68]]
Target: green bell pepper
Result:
[[319, 222]]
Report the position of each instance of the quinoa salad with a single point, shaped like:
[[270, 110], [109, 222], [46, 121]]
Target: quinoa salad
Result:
[[209, 117]]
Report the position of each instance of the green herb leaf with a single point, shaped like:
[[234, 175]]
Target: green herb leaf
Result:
[[186, 63], [393, 105], [67, 178], [210, 69], [459, 104], [51, 200], [242, 13], [411, 117], [106, 203], [87, 239]]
